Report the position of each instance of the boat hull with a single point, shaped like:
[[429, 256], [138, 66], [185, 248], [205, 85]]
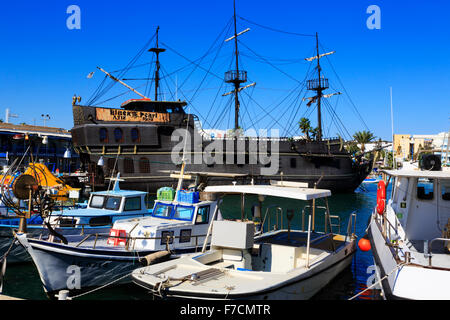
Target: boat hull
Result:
[[66, 267], [412, 282], [143, 160], [301, 287], [18, 254]]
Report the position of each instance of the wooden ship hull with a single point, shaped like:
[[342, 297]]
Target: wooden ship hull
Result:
[[142, 152]]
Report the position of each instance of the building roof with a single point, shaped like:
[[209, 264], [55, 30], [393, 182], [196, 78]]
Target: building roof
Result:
[[25, 128]]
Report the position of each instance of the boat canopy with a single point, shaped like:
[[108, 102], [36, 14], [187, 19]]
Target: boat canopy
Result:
[[419, 174], [275, 191]]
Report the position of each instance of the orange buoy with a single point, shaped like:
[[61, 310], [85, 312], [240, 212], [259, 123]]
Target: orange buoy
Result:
[[364, 244], [381, 197]]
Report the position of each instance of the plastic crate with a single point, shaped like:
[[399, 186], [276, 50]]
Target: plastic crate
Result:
[[165, 194], [188, 196]]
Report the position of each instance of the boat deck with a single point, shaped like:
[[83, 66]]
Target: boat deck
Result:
[[327, 242], [440, 255]]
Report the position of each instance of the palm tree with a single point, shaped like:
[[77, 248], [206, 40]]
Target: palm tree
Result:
[[363, 137], [352, 147], [305, 125]]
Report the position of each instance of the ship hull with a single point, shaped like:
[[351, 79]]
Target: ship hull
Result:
[[147, 152]]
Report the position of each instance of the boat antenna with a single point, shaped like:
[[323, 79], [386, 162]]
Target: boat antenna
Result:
[[236, 77], [122, 83], [319, 85], [157, 50], [394, 165]]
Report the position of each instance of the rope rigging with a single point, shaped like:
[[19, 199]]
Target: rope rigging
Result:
[[287, 107]]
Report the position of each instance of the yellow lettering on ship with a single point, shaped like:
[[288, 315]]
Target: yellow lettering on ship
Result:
[[106, 114]]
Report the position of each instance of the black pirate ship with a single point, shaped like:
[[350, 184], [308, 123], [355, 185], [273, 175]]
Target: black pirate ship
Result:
[[136, 140]]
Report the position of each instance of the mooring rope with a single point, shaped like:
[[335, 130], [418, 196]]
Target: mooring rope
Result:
[[102, 287], [373, 285]]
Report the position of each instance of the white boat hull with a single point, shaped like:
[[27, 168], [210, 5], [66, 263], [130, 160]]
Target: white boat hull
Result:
[[302, 286], [406, 282]]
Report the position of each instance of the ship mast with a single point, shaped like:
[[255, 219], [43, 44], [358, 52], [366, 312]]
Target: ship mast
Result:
[[236, 77], [236, 83], [157, 50], [319, 85]]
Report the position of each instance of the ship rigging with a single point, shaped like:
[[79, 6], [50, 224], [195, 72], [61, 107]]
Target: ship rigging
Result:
[[135, 139]]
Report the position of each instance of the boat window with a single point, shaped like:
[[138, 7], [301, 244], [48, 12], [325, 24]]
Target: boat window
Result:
[[112, 166], [97, 201], [293, 163], [425, 189], [144, 165], [183, 213], [103, 135], [445, 190], [128, 165], [100, 221], [118, 134], [135, 135], [132, 204], [113, 203], [166, 237], [162, 210], [202, 215], [185, 235]]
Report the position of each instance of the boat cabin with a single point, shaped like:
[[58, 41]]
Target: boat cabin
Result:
[[172, 224], [421, 202], [103, 209]]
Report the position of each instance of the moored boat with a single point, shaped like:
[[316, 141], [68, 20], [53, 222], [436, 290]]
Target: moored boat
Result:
[[276, 264], [410, 237], [175, 226]]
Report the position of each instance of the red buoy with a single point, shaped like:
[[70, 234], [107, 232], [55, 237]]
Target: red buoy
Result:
[[381, 197], [364, 244]]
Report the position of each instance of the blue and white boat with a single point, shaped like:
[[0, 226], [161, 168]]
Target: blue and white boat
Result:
[[103, 209], [175, 227]]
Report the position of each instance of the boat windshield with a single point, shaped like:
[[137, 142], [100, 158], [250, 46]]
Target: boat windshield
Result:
[[113, 203], [169, 211], [105, 202], [183, 213], [162, 210]]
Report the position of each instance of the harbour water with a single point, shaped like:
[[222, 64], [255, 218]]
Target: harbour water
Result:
[[23, 281]]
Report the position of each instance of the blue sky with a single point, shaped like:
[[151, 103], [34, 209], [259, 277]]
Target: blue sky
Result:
[[43, 63]]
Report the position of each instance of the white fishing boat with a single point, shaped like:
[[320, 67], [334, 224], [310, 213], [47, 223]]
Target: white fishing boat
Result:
[[276, 264], [91, 260], [410, 235]]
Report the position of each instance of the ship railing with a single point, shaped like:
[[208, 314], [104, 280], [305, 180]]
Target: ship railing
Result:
[[230, 137], [328, 219], [429, 253], [267, 217], [130, 242], [273, 219], [10, 213], [391, 236]]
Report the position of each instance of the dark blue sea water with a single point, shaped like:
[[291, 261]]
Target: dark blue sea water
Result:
[[23, 280]]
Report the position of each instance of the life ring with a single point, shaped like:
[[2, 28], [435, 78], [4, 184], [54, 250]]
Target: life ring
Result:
[[381, 197]]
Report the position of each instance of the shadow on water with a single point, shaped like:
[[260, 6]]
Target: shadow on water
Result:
[[22, 280]]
